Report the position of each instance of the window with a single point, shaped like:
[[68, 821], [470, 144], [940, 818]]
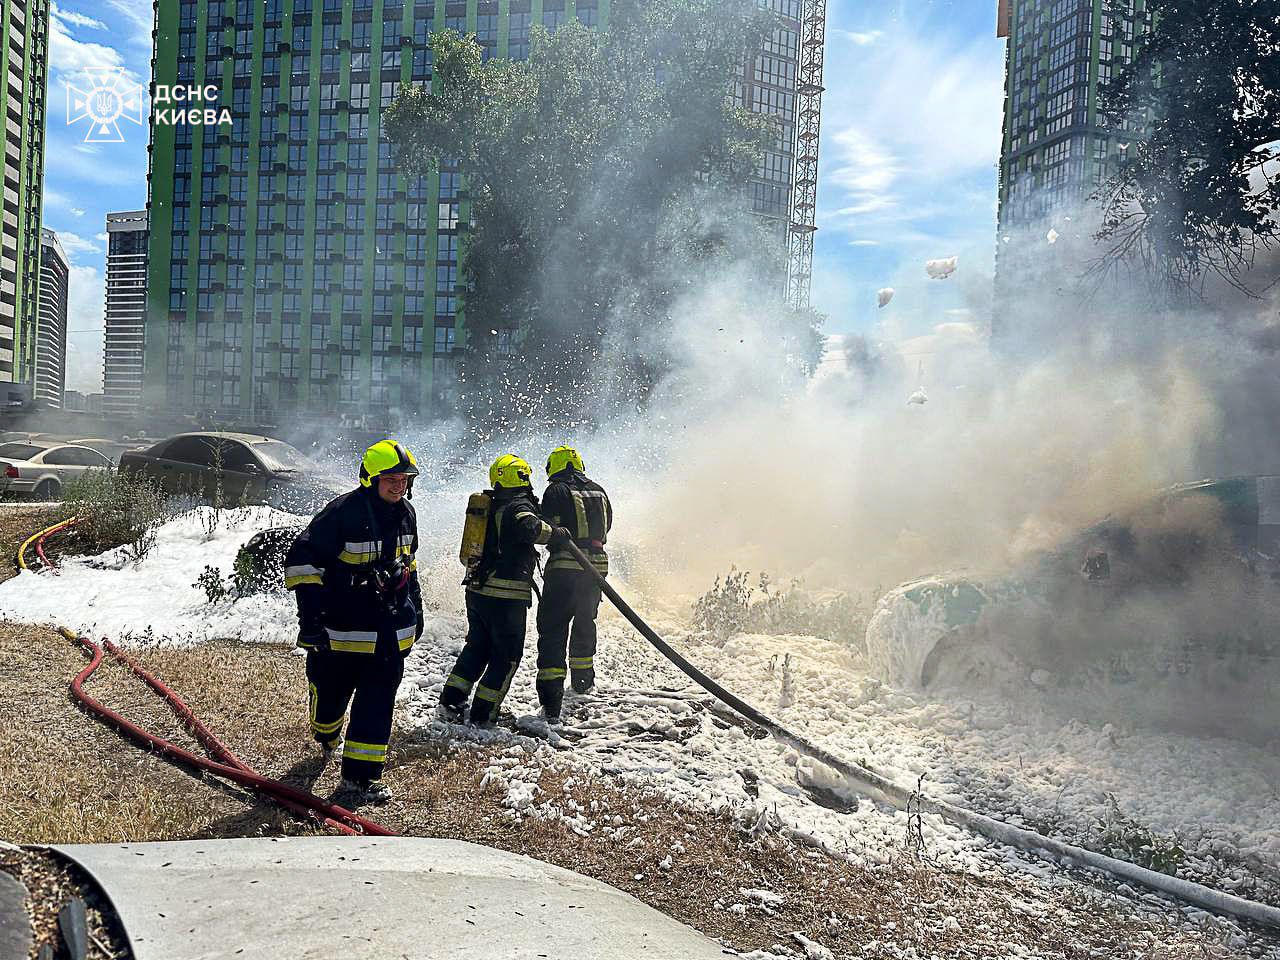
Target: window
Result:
[[76, 457], [193, 450], [446, 340]]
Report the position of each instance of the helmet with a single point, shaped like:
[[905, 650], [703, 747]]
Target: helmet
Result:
[[386, 456], [561, 457], [510, 471]]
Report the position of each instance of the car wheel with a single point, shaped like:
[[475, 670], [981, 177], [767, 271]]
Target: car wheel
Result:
[[47, 490]]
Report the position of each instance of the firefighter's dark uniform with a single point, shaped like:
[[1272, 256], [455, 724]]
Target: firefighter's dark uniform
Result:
[[569, 593], [354, 572], [499, 594]]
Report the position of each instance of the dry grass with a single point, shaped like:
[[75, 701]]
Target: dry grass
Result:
[[67, 778], [16, 524], [51, 883]]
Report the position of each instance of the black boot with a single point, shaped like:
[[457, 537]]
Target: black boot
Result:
[[583, 681]]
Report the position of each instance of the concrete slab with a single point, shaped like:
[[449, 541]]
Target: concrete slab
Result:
[[390, 898], [15, 923]]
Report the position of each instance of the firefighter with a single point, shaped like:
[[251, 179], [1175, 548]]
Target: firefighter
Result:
[[580, 510], [499, 594], [354, 574]]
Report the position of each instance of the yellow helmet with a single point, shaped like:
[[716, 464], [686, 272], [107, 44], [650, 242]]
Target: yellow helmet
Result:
[[386, 456], [561, 457], [510, 471]]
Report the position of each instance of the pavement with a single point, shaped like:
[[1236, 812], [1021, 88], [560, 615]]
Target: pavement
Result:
[[403, 898]]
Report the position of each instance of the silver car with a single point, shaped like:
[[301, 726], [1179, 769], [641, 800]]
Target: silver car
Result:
[[41, 468]]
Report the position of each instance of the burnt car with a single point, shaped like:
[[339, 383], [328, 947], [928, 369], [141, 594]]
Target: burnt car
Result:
[[1173, 602], [235, 468]]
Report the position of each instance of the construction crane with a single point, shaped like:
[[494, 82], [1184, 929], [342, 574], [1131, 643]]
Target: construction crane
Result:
[[804, 188]]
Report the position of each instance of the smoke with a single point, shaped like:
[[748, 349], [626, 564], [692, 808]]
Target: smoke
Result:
[[739, 459]]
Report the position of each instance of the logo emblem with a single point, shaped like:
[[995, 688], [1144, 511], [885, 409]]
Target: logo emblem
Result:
[[111, 97]]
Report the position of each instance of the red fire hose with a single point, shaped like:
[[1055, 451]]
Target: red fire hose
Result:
[[227, 765]]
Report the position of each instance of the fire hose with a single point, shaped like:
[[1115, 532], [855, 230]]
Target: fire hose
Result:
[[882, 789], [226, 765]]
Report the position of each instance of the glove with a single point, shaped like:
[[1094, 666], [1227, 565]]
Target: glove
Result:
[[417, 635], [313, 638], [560, 538]]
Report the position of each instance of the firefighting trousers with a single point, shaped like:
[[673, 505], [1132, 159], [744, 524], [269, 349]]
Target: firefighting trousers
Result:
[[566, 615], [494, 646], [333, 678]]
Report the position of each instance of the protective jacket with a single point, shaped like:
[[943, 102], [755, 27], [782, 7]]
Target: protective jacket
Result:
[[581, 506], [354, 572], [505, 570]]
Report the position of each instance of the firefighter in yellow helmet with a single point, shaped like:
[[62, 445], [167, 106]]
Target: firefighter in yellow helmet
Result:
[[354, 575], [499, 594], [580, 511]]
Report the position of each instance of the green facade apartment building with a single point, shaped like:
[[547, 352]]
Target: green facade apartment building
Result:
[[293, 274], [24, 31], [1056, 148]]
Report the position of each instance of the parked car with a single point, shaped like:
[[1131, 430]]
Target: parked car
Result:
[[42, 468], [246, 468]]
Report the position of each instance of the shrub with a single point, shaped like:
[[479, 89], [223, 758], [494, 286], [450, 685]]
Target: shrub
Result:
[[1120, 836], [115, 510], [211, 582]]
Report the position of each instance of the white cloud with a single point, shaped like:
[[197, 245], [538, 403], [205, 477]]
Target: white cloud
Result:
[[75, 19], [76, 245], [861, 164], [86, 296], [140, 15], [77, 212], [69, 56], [859, 38], [864, 243], [101, 238]]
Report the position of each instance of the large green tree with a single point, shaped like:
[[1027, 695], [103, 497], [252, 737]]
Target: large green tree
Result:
[[606, 175], [1198, 196]]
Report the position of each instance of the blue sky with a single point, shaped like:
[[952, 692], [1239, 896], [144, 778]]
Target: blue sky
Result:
[[907, 170]]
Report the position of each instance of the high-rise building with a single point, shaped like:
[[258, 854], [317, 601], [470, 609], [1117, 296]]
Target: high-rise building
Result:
[[123, 337], [51, 329], [292, 271], [24, 31], [1057, 147]]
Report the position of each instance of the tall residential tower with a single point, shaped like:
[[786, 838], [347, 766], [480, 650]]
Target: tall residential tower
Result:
[[1057, 147], [24, 31], [126, 312], [292, 272], [51, 329]]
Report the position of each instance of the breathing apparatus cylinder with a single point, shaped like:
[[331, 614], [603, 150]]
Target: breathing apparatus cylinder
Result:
[[474, 529]]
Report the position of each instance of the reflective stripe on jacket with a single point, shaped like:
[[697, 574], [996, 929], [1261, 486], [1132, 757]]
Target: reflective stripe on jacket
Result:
[[581, 506], [329, 564]]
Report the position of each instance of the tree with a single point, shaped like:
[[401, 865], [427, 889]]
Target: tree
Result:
[[607, 176], [1197, 197]]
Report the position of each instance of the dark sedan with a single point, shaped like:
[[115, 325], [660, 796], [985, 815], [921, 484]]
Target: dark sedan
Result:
[[244, 467]]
